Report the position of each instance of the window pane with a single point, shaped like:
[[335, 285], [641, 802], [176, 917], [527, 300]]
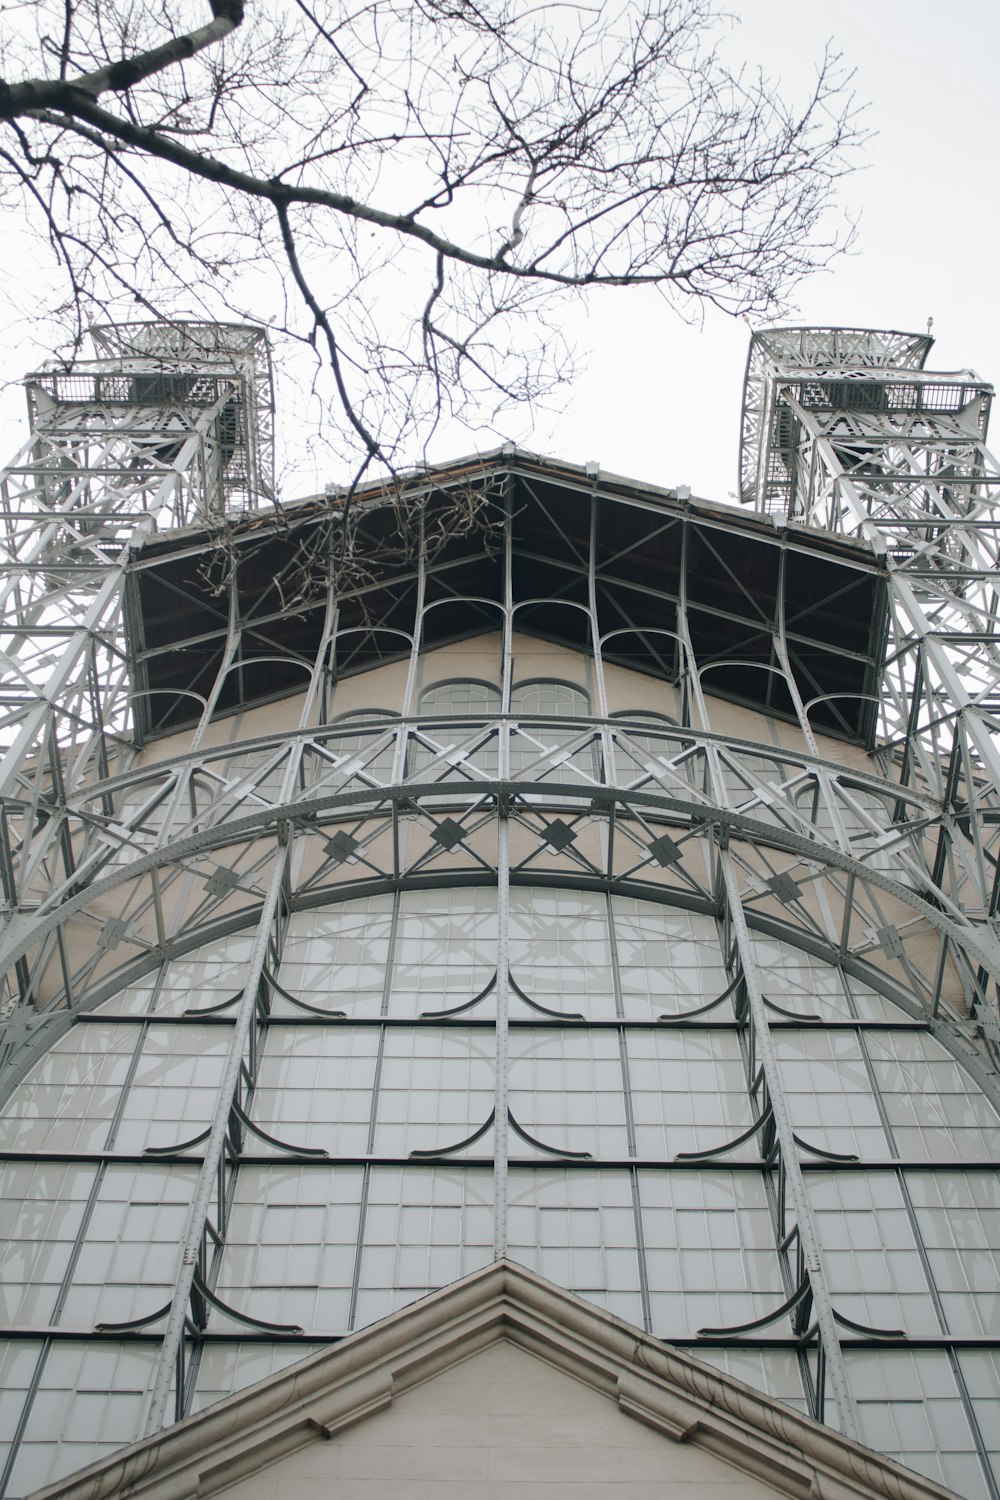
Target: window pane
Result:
[[91, 1400], [578, 1229], [710, 1254]]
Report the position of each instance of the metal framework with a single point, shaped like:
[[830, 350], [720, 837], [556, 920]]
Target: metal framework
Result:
[[820, 770], [844, 429]]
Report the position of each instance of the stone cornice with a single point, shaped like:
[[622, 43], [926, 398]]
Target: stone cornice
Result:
[[667, 1390]]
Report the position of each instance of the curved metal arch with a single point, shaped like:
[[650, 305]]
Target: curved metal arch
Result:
[[346, 630], [835, 697], [384, 718], [139, 693], [466, 599], [335, 721], [736, 661], [520, 604], [632, 720], [685, 654], [282, 659], [424, 610], [466, 1005], [54, 1024], [671, 635], [310, 809]]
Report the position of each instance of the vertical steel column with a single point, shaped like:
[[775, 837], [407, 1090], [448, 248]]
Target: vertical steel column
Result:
[[836, 1374], [501, 1127], [212, 1162]]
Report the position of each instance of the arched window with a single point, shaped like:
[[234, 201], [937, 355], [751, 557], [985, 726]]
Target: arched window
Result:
[[460, 695], [546, 752], [453, 749]]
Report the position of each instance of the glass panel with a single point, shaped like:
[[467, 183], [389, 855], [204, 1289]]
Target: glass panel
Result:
[[335, 957], [544, 696], [456, 750], [872, 1262], [688, 1092], [251, 779], [639, 756], [425, 1227], [981, 1372], [710, 1255], [544, 751], [566, 1092], [796, 982], [91, 1400], [935, 1108], [578, 1229], [128, 1260], [290, 1252], [669, 960], [909, 1408], [314, 1088], [446, 951], [18, 1360], [176, 1083], [436, 1087], [360, 757], [69, 1099], [560, 951], [828, 1092], [959, 1223], [41, 1210], [207, 976], [463, 696]]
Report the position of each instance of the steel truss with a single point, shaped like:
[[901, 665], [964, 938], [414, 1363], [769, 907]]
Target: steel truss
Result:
[[844, 429], [115, 862]]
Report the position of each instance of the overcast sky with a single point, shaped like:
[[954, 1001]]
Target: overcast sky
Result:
[[660, 399]]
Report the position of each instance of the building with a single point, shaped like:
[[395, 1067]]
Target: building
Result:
[[515, 863]]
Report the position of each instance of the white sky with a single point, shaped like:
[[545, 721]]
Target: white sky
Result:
[[660, 399]]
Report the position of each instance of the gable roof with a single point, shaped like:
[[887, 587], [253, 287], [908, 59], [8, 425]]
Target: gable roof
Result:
[[662, 565], [664, 1388]]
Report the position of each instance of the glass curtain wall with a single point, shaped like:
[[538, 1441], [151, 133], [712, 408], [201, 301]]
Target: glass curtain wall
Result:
[[633, 1169]]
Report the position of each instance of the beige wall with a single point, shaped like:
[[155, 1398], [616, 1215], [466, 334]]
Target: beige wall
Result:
[[383, 687], [502, 1425]]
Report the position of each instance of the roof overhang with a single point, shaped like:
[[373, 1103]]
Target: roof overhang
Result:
[[658, 565]]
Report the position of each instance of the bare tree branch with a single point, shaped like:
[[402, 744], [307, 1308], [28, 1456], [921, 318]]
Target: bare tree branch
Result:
[[415, 185]]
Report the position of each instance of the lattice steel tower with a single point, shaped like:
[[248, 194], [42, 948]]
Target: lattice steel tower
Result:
[[844, 429], [509, 861]]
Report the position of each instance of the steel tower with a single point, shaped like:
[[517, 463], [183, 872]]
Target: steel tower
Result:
[[512, 860]]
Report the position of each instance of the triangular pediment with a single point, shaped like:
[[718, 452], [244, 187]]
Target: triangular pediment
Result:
[[500, 1385]]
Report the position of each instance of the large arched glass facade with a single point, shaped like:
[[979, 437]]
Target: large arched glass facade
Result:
[[635, 1172], [577, 910]]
